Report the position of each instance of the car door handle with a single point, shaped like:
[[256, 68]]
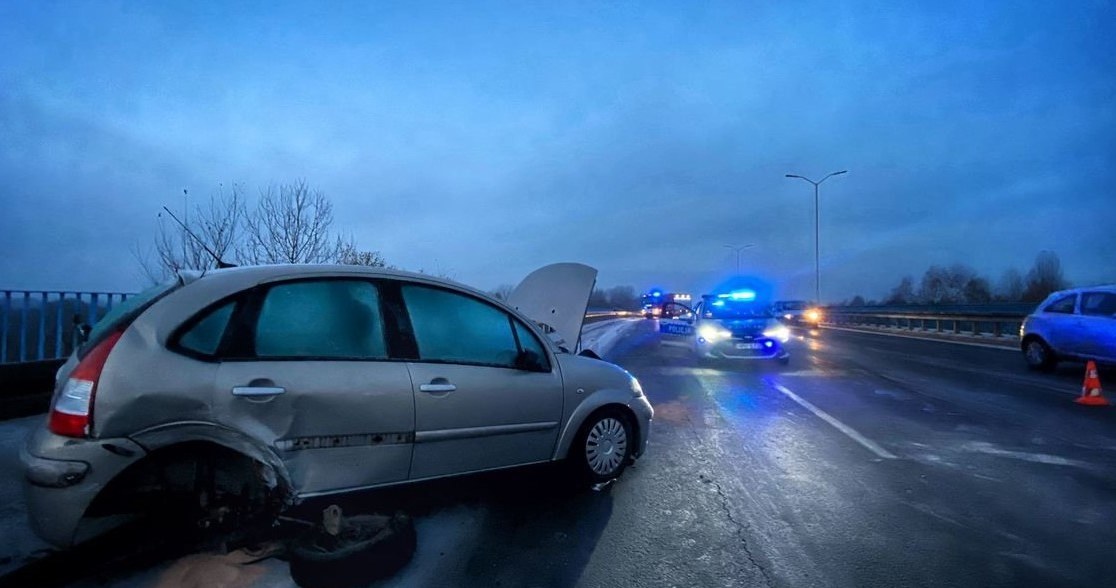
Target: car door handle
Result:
[[437, 387], [257, 390]]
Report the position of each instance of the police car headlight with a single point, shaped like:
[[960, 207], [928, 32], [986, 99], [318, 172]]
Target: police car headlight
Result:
[[780, 332], [713, 333]]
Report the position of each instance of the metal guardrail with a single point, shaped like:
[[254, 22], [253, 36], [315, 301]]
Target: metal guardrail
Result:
[[37, 324], [993, 323]]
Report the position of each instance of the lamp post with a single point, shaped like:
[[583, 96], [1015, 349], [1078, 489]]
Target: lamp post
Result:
[[817, 246], [738, 249]]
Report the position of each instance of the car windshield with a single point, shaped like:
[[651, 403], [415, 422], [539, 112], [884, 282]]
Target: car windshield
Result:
[[730, 310]]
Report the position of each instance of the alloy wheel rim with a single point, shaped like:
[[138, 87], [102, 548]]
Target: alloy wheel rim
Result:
[[1035, 353], [606, 446]]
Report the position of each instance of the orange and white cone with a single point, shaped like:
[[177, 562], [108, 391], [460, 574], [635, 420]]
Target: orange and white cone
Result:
[[1091, 394]]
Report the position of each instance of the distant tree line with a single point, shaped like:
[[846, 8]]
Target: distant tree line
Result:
[[617, 297], [961, 284], [286, 223]]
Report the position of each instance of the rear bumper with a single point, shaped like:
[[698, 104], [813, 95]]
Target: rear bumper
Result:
[[60, 488]]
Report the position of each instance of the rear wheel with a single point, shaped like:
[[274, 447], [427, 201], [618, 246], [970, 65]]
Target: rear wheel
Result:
[[200, 491], [603, 446], [1038, 354]]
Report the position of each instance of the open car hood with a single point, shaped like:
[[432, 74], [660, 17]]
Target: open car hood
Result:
[[556, 296]]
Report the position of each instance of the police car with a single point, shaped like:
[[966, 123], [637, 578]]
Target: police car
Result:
[[730, 325]]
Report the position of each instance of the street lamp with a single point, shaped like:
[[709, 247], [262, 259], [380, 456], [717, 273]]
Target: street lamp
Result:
[[738, 249], [817, 247]]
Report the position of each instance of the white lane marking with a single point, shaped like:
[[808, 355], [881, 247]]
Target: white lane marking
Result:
[[984, 345], [1043, 458], [684, 371], [847, 430]]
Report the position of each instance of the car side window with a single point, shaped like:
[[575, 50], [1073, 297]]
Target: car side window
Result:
[[1098, 304], [454, 328], [326, 319], [1063, 305], [529, 343], [205, 336]]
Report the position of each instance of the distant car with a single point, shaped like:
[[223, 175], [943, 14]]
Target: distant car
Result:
[[797, 312], [227, 396], [1077, 324], [729, 326], [657, 303]]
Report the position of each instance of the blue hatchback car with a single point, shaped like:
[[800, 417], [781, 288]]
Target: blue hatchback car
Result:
[[1077, 324]]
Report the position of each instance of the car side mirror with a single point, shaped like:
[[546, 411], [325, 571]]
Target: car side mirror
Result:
[[529, 361], [589, 353]]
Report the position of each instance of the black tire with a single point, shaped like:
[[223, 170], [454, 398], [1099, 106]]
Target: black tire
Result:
[[1038, 355], [784, 360], [601, 428], [369, 548]]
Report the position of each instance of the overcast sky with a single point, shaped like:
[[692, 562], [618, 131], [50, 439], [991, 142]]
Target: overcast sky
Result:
[[484, 140]]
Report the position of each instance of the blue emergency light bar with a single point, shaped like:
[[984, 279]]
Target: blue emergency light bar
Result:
[[739, 295]]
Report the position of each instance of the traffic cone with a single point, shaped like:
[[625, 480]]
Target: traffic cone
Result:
[[1091, 394]]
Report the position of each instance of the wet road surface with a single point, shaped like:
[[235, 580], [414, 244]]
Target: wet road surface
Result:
[[868, 461]]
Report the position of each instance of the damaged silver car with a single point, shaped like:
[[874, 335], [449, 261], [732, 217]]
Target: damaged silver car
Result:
[[240, 391]]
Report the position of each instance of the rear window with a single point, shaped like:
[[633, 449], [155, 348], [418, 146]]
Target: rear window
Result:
[[1098, 303], [124, 313]]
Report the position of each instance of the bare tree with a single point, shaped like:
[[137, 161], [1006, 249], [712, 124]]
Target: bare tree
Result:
[[205, 232], [350, 255], [1012, 286], [903, 293], [623, 297], [977, 291], [291, 224], [1045, 277], [945, 285], [598, 299]]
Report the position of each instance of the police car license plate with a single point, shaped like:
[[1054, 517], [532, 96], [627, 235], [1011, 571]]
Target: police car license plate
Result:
[[747, 345]]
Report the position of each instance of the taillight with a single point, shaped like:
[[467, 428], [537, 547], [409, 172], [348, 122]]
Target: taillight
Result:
[[72, 413]]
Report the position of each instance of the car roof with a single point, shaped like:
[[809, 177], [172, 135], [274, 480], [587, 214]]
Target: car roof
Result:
[[1103, 288], [253, 274]]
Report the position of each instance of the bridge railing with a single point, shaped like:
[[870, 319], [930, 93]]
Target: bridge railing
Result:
[[999, 321], [38, 324]]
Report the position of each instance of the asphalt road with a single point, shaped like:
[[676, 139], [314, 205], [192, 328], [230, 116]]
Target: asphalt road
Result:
[[868, 461]]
